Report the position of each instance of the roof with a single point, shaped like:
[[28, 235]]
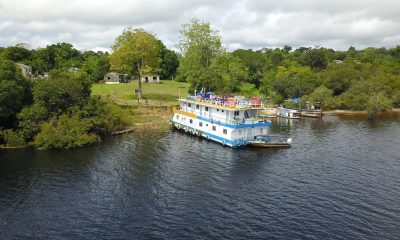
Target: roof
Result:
[[23, 65]]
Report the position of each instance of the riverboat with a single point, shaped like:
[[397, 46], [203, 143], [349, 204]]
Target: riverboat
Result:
[[287, 113], [232, 121]]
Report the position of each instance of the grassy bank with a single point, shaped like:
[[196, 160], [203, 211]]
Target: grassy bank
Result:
[[164, 94], [153, 111]]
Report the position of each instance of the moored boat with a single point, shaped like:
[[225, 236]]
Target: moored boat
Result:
[[231, 121], [288, 113], [311, 113], [267, 142]]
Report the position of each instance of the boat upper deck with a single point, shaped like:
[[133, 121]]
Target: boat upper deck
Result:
[[233, 104]]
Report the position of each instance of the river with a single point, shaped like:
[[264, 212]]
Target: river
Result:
[[340, 180]]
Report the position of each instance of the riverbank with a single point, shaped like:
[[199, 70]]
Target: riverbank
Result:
[[350, 112]]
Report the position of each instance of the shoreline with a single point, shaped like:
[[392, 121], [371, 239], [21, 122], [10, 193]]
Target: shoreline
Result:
[[349, 112]]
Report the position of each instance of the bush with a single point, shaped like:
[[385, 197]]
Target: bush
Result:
[[30, 119], [12, 138], [65, 132]]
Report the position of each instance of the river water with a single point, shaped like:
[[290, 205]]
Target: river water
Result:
[[340, 180]]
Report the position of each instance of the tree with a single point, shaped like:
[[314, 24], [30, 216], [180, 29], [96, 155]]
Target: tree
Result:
[[15, 92], [378, 102], [294, 81], [17, 54], [136, 52], [199, 45], [62, 90], [226, 74], [169, 63], [96, 66], [320, 95]]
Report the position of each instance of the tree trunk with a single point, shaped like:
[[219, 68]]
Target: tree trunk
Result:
[[140, 83], [140, 88]]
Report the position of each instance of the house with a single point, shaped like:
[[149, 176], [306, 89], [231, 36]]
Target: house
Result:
[[151, 78], [337, 61], [115, 78], [73, 70], [26, 70]]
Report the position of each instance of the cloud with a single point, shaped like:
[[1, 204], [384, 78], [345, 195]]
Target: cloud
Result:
[[252, 24]]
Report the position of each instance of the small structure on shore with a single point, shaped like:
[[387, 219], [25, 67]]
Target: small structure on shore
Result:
[[26, 70], [73, 70], [150, 78], [115, 78]]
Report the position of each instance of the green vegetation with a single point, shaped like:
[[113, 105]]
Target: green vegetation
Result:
[[63, 105], [136, 51], [164, 94]]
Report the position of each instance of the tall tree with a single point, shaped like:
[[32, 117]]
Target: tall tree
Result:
[[199, 45], [136, 52]]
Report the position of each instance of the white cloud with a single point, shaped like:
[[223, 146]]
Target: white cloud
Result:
[[253, 24]]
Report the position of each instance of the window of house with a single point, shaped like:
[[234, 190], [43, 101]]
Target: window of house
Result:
[[224, 131], [154, 78], [217, 109], [261, 130], [222, 110], [236, 113], [200, 124], [207, 125], [197, 106], [177, 117], [214, 128], [109, 78], [191, 120], [206, 109], [189, 105], [240, 132]]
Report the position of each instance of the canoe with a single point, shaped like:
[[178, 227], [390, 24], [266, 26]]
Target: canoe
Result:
[[270, 144]]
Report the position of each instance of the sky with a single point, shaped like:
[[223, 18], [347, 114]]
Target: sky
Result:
[[247, 24]]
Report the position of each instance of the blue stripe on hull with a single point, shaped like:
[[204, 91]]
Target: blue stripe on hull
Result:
[[224, 141], [259, 124]]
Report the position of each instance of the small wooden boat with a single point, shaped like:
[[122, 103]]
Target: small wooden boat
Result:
[[268, 143], [311, 113]]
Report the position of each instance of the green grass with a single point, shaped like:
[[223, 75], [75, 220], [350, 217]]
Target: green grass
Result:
[[166, 93]]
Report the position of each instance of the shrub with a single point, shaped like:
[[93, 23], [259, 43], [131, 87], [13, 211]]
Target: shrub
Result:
[[12, 138], [65, 132]]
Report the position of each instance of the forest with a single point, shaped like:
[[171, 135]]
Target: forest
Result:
[[54, 107]]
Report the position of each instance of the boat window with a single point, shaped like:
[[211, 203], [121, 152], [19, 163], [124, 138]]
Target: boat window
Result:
[[214, 128], [206, 109], [200, 124], [225, 131], [191, 120]]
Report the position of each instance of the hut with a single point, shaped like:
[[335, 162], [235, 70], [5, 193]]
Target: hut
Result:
[[26, 70], [115, 78], [151, 78]]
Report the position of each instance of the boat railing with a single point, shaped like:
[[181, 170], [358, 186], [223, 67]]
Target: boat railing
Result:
[[242, 103], [251, 120]]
